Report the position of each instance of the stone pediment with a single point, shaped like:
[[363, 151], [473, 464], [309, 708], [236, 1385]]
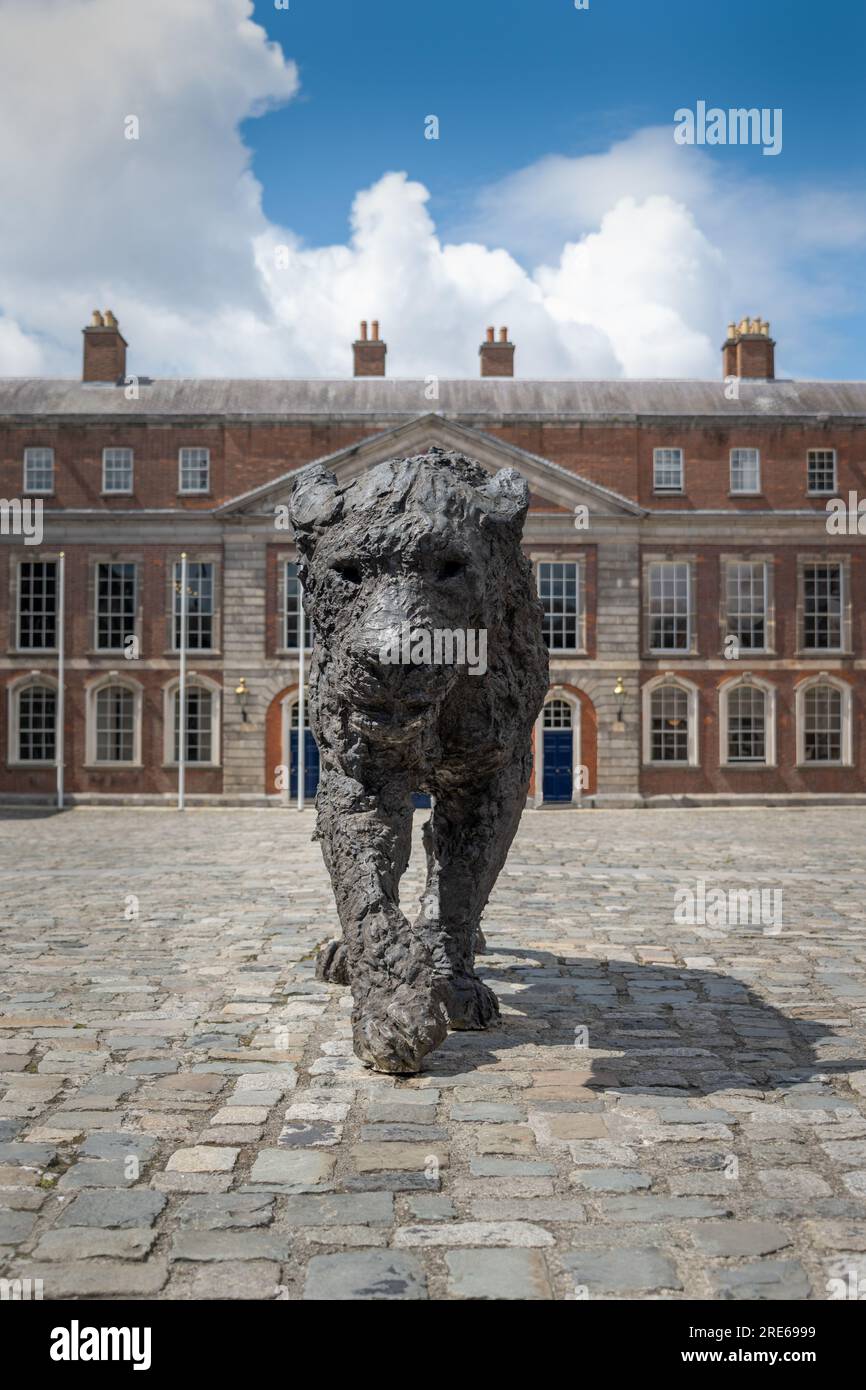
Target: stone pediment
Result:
[[549, 483]]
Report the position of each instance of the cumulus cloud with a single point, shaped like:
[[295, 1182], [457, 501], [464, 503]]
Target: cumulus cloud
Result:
[[627, 262]]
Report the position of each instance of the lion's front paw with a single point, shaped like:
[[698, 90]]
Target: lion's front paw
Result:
[[394, 1031], [469, 1003]]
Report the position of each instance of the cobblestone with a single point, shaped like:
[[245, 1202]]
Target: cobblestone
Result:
[[666, 1110]]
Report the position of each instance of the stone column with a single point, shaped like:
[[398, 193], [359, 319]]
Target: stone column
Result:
[[618, 640], [244, 609]]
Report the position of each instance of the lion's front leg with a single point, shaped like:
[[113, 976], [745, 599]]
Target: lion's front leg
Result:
[[398, 1015]]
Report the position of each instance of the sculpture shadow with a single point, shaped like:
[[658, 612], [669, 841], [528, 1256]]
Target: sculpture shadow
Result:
[[651, 1028]]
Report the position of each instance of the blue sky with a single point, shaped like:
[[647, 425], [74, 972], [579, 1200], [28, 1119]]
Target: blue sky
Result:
[[514, 80], [280, 187]]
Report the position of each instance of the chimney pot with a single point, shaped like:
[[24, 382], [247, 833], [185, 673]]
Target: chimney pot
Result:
[[369, 353], [749, 351], [104, 349], [497, 358]]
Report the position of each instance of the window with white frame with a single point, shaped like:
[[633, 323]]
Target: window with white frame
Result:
[[199, 730], [821, 470], [822, 724], [746, 603], [194, 470], [669, 725], [669, 606], [39, 470], [117, 470], [199, 605], [667, 470], [115, 604], [559, 591], [745, 470], [115, 719], [36, 723], [822, 607], [747, 725], [557, 715], [292, 605], [37, 605]]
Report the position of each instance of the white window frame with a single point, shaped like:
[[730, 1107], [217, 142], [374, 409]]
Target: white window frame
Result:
[[745, 491], [14, 691], [847, 749], [168, 719], [28, 461], [92, 691], [661, 563], [725, 690], [174, 615], [39, 560], [690, 690], [192, 491], [759, 563], [827, 561], [578, 562], [284, 610], [106, 461], [660, 462], [821, 492], [135, 600]]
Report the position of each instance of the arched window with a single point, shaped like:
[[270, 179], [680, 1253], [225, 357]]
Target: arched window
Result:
[[823, 722], [747, 708], [33, 721], [295, 714], [201, 734], [114, 722], [670, 718], [557, 715]]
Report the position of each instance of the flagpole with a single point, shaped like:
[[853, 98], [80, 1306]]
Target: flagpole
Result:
[[181, 688], [61, 676], [302, 641]]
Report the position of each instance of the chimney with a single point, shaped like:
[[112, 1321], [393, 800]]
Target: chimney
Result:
[[497, 359], [749, 351], [369, 352], [104, 349]]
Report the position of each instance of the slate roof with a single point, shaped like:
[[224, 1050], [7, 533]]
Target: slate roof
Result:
[[392, 399]]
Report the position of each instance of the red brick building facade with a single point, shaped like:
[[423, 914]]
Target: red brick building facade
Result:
[[706, 622]]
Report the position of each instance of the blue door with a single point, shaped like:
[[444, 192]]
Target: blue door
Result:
[[311, 765], [558, 752], [420, 800]]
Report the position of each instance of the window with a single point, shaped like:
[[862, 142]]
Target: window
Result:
[[822, 607], [38, 470], [194, 471], [669, 722], [117, 470], [559, 590], [821, 470], [557, 715], [115, 605], [667, 470], [199, 725], [745, 470], [115, 724], [746, 604], [293, 609], [200, 606], [37, 605], [747, 725], [824, 734], [37, 724], [669, 607]]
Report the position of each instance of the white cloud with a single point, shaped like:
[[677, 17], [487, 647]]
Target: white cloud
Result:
[[631, 260]]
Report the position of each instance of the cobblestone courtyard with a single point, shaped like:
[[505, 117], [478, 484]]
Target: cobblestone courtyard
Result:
[[667, 1111]]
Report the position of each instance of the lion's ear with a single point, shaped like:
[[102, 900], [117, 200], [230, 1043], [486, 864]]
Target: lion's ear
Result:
[[315, 502], [508, 497]]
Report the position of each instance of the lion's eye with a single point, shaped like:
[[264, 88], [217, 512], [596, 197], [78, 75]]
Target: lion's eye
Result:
[[348, 571], [450, 569]]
